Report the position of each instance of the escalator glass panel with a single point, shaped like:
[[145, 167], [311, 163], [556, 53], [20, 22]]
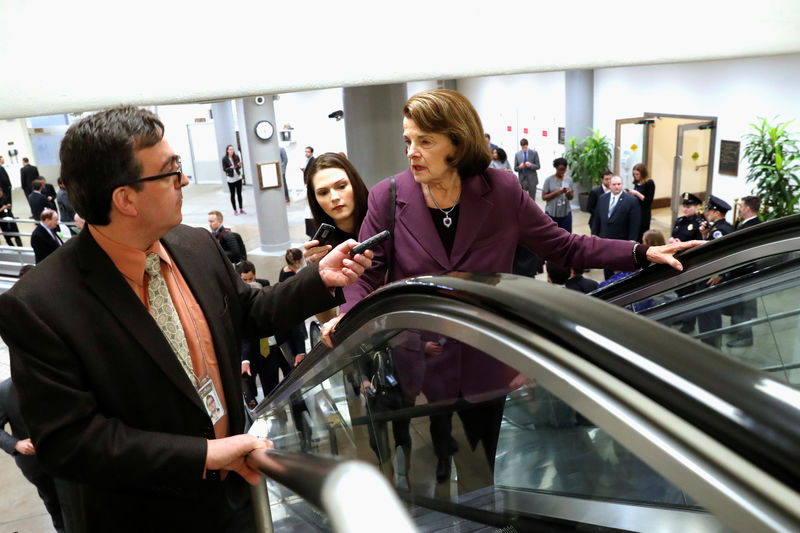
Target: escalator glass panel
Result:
[[466, 439], [750, 312]]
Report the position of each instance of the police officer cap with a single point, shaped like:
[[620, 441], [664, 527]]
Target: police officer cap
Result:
[[688, 198], [717, 203]]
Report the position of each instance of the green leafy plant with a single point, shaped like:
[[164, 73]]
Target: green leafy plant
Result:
[[588, 158], [774, 159]]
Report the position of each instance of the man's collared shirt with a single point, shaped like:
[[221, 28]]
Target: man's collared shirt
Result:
[[131, 264]]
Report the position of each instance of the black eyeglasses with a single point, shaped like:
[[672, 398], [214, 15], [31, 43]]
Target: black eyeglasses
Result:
[[177, 173]]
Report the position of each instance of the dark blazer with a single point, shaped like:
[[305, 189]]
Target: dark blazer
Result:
[[27, 174], [495, 215], [38, 202], [624, 222], [308, 168], [591, 204], [748, 223], [106, 401], [581, 284], [528, 177], [43, 243], [5, 185]]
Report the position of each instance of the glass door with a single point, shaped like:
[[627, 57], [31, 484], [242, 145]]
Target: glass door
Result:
[[630, 146], [694, 161]]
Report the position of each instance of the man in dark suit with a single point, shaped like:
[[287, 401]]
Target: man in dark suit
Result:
[[526, 163], [38, 201], [115, 393], [578, 283], [747, 309], [5, 182], [27, 174], [617, 216], [595, 194], [44, 239], [309, 163], [18, 444]]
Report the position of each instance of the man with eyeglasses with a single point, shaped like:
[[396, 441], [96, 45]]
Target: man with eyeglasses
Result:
[[112, 392]]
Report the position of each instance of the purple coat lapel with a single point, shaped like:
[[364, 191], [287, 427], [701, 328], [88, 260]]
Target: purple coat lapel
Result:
[[474, 210], [413, 215]]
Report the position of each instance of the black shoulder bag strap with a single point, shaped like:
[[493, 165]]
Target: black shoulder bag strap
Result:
[[390, 263]]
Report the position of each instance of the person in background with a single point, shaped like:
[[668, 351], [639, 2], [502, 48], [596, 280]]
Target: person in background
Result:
[[292, 340], [10, 227], [687, 227], [284, 164], [489, 142], [258, 358], [45, 239], [558, 191], [27, 173], [500, 160], [229, 241], [644, 190], [450, 204], [306, 169], [65, 211], [232, 166], [5, 182], [595, 194], [748, 212], [17, 443], [526, 163], [38, 201], [557, 274], [577, 282]]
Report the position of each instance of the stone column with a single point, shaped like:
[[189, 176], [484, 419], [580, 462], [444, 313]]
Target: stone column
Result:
[[579, 101], [225, 131], [273, 224], [374, 130]]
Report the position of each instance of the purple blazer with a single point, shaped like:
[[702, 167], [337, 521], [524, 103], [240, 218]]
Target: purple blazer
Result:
[[495, 216]]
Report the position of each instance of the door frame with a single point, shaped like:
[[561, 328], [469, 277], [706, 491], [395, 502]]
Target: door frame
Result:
[[645, 121], [677, 169]]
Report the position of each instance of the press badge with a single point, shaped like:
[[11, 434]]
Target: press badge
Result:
[[208, 393]]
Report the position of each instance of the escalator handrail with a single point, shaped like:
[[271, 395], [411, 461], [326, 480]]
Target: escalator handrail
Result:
[[753, 414], [760, 235], [352, 493]]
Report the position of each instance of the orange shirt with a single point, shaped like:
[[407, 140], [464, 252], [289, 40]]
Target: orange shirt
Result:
[[130, 262]]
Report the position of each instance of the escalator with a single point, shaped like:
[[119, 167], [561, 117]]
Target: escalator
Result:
[[740, 294], [496, 403]]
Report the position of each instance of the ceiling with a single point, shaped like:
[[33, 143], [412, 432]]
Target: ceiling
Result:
[[82, 55]]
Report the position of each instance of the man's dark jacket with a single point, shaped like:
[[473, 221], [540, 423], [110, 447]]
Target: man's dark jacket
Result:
[[106, 401]]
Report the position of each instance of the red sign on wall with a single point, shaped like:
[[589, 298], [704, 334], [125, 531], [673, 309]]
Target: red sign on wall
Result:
[[524, 130], [509, 128], [544, 133]]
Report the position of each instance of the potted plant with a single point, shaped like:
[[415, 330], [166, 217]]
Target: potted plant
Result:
[[773, 156], [587, 160]]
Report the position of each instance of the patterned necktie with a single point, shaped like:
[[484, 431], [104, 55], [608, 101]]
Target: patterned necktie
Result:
[[165, 315], [613, 205]]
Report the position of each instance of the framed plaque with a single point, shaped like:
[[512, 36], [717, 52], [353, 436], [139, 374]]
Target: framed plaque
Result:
[[729, 157], [269, 174]]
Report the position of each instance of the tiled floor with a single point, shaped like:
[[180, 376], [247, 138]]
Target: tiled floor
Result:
[[20, 507]]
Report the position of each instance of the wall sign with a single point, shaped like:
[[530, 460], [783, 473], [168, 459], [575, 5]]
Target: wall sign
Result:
[[729, 157]]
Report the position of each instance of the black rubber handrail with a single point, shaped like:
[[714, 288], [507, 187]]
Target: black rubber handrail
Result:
[[748, 417], [761, 234]]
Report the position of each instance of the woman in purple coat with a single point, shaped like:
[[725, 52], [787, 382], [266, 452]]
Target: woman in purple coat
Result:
[[455, 213]]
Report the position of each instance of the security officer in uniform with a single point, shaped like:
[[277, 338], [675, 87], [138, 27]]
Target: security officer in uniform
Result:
[[713, 228], [687, 227], [716, 226]]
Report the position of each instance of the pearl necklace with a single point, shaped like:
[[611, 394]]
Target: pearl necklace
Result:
[[447, 221]]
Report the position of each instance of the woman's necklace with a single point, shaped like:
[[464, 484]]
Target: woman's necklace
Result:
[[447, 221]]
